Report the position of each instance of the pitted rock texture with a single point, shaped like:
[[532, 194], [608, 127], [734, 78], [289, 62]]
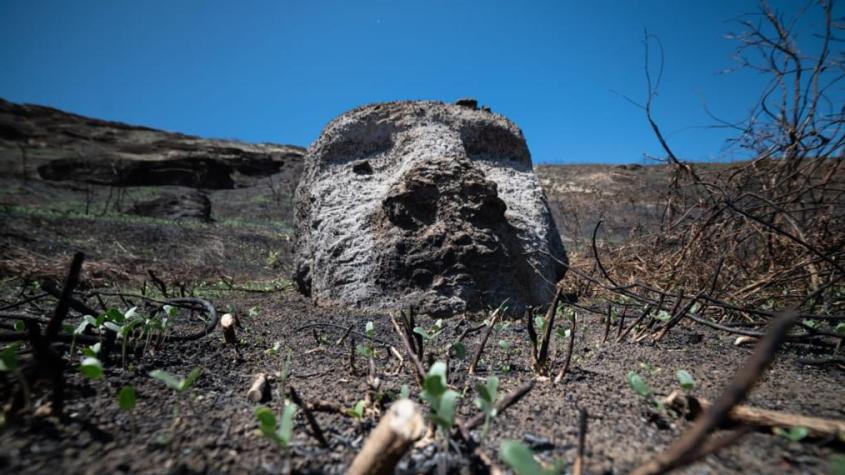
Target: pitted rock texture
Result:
[[424, 204]]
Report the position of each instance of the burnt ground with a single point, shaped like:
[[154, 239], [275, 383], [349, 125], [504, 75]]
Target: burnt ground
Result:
[[248, 243]]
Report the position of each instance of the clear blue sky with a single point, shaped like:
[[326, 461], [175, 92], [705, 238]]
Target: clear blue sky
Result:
[[277, 71]]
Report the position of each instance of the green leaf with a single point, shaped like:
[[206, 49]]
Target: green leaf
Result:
[[9, 358], [19, 326], [487, 394], [91, 368], [460, 350], [446, 411], [435, 381], [794, 434], [356, 411], [840, 328], [370, 329], [404, 392], [285, 431], [504, 344], [421, 332], [189, 380], [638, 384], [170, 311], [687, 383], [170, 380], [519, 458], [540, 323], [111, 315], [663, 315], [92, 350], [266, 421], [365, 351], [126, 398], [837, 465]]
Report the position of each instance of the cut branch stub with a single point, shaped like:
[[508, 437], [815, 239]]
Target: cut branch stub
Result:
[[390, 440]]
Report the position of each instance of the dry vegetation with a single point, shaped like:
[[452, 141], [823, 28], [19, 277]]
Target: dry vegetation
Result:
[[753, 249]]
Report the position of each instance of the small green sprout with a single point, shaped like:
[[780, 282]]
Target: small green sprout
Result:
[[521, 460], [91, 367], [432, 333], [840, 329], [126, 398], [685, 380], [439, 397], [368, 350], [9, 358], [92, 350], [176, 383], [459, 350], [404, 392], [254, 311], [356, 411], [277, 346], [280, 433], [486, 401], [663, 316], [638, 384], [794, 434]]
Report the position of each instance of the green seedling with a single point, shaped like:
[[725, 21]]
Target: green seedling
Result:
[[9, 364], [9, 358], [404, 392], [280, 433], [277, 346], [685, 380], [126, 398], [840, 329], [640, 387], [91, 368], [368, 350], [663, 316], [439, 397], [356, 411], [794, 434], [638, 384], [521, 460], [432, 333], [92, 350], [486, 401], [254, 311], [180, 385], [458, 350]]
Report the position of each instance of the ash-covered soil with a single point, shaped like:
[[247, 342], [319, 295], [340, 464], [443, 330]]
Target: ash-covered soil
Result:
[[247, 245]]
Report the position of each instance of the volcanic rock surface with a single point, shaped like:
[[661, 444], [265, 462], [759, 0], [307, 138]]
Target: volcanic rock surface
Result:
[[425, 204]]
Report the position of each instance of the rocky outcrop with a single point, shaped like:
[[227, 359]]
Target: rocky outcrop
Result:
[[195, 205], [426, 204], [70, 147]]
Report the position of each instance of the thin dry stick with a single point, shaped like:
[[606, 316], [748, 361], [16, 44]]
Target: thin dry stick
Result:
[[682, 452], [752, 416], [569, 349], [312, 421], [578, 467], [505, 403], [532, 334], [639, 319], [543, 352], [480, 350], [607, 324], [419, 369]]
